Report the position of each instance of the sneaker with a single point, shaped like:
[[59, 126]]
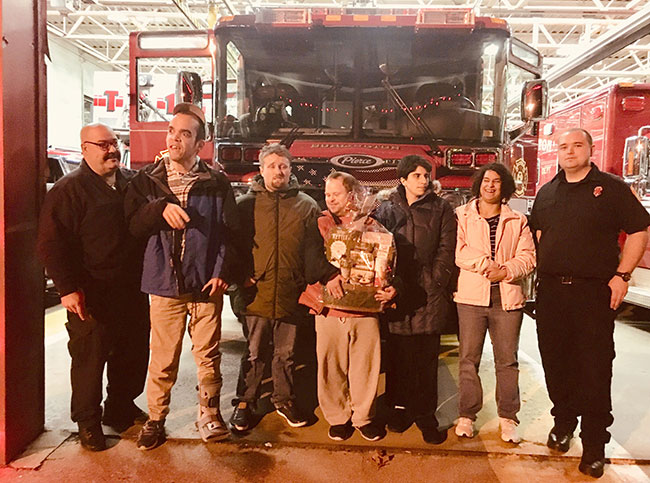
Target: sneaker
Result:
[[399, 420], [151, 435], [509, 432], [428, 425], [341, 432], [372, 432], [465, 428], [92, 437], [212, 428], [241, 417], [289, 411]]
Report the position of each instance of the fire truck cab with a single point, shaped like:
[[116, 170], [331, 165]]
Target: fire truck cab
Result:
[[346, 89]]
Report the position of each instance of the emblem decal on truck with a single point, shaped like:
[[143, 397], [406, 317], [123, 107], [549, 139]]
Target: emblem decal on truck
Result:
[[356, 161]]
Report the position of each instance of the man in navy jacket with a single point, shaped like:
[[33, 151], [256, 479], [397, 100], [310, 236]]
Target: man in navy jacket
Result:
[[187, 213]]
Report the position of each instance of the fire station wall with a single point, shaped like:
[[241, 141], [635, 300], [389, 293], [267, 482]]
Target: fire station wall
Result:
[[22, 159], [69, 78]]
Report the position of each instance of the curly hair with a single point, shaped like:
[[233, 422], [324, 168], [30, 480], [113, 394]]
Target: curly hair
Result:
[[507, 181]]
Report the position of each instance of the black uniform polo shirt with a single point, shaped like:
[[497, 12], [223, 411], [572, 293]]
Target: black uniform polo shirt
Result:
[[581, 223]]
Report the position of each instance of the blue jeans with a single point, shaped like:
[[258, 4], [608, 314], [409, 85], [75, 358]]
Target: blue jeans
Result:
[[504, 327]]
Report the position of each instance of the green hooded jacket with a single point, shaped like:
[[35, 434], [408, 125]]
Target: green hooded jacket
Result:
[[282, 249]]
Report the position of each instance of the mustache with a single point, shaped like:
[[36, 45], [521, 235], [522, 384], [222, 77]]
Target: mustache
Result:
[[114, 155]]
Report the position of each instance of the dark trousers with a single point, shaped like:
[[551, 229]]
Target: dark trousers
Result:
[[116, 336], [412, 373], [268, 340], [575, 330]]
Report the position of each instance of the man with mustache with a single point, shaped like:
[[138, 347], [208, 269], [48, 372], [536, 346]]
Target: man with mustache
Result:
[[282, 251], [186, 212], [84, 243]]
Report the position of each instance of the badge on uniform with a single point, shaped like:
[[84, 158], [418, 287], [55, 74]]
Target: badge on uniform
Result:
[[598, 190]]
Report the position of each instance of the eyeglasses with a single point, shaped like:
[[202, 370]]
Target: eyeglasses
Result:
[[105, 145]]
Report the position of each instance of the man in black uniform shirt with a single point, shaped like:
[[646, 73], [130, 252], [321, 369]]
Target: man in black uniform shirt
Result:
[[84, 244], [578, 217]]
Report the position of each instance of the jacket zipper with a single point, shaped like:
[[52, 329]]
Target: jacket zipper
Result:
[[277, 257]]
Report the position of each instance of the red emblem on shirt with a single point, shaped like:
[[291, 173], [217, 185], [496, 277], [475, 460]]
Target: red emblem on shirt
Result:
[[598, 190]]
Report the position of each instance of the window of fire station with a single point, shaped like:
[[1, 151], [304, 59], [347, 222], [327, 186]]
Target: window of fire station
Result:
[[157, 82]]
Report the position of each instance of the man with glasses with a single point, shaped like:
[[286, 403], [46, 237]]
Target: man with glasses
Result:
[[84, 243]]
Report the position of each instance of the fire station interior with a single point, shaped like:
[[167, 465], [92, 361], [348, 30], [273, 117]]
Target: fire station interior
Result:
[[586, 47]]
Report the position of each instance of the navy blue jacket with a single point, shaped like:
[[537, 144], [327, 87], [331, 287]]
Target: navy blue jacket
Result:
[[209, 234]]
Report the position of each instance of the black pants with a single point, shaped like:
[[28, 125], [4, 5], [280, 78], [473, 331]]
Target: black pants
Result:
[[575, 329], [267, 341], [116, 335], [412, 373]]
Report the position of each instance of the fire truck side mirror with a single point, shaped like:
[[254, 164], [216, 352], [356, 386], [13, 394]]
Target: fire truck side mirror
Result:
[[189, 88], [635, 163], [534, 100]]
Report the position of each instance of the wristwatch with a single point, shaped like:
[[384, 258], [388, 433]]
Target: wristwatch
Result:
[[626, 276]]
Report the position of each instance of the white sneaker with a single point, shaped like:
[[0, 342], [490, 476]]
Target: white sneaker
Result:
[[465, 428], [509, 432]]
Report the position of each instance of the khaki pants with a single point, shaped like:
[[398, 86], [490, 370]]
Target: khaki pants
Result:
[[348, 353], [168, 319]]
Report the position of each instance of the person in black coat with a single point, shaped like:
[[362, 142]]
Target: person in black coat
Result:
[[424, 227], [95, 264]]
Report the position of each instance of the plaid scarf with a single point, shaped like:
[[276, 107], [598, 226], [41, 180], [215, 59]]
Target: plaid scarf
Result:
[[180, 185]]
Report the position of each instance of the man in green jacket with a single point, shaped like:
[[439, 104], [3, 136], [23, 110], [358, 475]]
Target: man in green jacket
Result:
[[282, 252]]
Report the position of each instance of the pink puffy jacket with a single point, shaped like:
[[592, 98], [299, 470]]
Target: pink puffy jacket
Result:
[[515, 251]]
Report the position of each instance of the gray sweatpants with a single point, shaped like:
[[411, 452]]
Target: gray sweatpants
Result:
[[348, 353]]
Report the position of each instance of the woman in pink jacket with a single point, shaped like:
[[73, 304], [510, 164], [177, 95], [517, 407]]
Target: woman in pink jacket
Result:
[[494, 252]]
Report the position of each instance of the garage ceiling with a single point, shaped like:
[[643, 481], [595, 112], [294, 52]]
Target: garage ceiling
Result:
[[586, 44]]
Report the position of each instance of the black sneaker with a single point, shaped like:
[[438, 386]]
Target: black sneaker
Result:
[[341, 432], [241, 418], [372, 432], [151, 435], [289, 411], [92, 437], [428, 425], [399, 420]]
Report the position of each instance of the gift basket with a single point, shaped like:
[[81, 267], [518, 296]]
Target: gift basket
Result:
[[364, 251]]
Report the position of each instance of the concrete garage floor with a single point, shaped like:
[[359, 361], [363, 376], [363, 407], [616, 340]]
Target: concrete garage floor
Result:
[[273, 451]]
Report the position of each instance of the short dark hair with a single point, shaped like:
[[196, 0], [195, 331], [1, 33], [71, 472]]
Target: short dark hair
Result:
[[410, 163], [507, 181], [586, 134]]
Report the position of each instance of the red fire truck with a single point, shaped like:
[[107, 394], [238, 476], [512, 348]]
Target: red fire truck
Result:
[[618, 118], [352, 90]]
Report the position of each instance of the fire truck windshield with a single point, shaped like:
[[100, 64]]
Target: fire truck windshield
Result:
[[328, 83]]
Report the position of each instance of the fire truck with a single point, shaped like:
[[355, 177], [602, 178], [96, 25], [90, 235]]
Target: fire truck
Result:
[[618, 118], [346, 89]]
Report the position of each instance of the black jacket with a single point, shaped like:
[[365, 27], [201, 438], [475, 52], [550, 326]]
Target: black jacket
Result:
[[425, 236], [82, 234]]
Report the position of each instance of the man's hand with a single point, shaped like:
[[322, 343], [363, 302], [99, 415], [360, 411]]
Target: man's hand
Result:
[[75, 302], [495, 273], [335, 287], [249, 282], [386, 294], [175, 216], [618, 287], [215, 285]]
